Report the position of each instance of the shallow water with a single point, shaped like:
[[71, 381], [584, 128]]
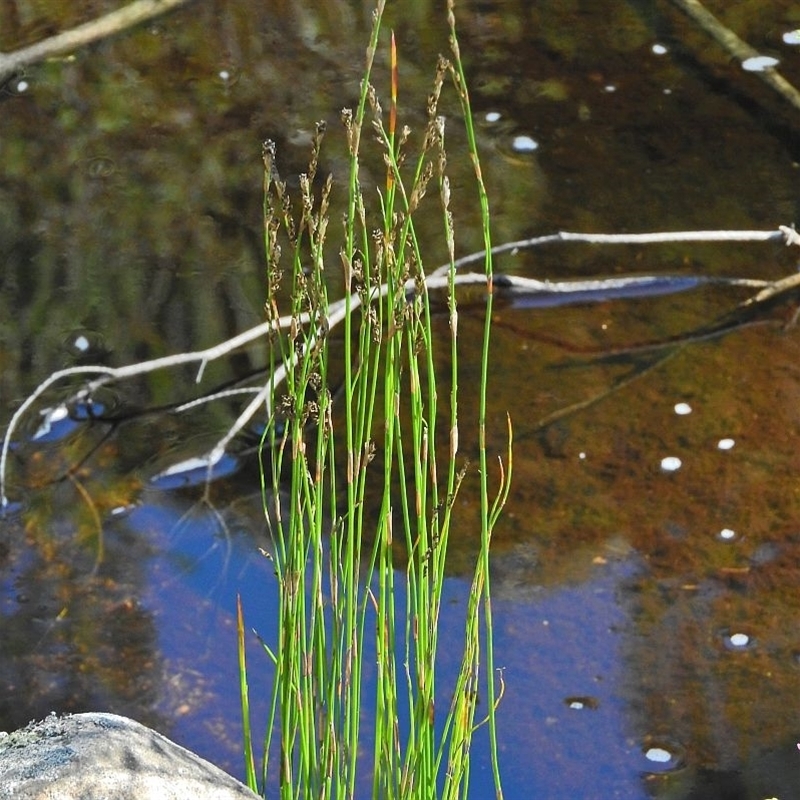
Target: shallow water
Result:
[[647, 618]]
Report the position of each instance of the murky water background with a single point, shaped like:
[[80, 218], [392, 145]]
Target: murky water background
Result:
[[647, 619]]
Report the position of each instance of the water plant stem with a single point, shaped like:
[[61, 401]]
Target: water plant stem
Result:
[[359, 509]]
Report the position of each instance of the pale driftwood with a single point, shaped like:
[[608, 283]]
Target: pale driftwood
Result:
[[785, 234], [101, 28], [439, 279]]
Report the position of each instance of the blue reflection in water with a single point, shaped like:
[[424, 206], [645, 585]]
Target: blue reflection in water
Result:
[[599, 291], [559, 644], [201, 559], [61, 421], [565, 643], [195, 472]]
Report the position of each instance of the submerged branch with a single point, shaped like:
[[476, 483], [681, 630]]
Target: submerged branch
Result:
[[663, 350], [101, 28], [738, 48], [751, 312], [537, 292]]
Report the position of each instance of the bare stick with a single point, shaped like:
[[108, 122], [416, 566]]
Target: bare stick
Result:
[[107, 374], [100, 28], [738, 48], [600, 289], [784, 233]]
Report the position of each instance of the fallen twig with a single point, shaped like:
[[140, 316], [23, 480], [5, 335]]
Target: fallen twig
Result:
[[784, 233], [101, 28], [566, 291]]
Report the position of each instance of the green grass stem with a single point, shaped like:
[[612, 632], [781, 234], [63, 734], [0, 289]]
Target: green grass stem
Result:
[[354, 491]]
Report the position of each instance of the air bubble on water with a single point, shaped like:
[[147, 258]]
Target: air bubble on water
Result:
[[671, 464], [737, 640], [791, 37], [725, 444], [492, 116], [659, 49], [228, 75], [682, 409], [85, 343], [524, 144], [663, 756], [726, 535], [759, 63], [582, 703], [658, 754]]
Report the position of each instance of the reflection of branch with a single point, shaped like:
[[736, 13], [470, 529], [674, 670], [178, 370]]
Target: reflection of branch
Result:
[[738, 48], [100, 28], [581, 405], [748, 313], [663, 351], [577, 291], [98, 525]]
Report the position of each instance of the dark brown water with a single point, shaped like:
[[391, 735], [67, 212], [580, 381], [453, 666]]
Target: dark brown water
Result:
[[647, 620]]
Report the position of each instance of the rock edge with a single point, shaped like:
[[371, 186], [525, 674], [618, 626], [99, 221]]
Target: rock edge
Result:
[[97, 755]]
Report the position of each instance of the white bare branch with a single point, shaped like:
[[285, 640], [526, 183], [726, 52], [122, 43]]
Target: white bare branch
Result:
[[786, 234], [108, 25], [578, 290]]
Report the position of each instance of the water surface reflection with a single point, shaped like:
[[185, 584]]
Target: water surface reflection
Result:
[[646, 615]]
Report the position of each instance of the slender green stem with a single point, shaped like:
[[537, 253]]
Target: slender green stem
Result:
[[244, 694], [337, 558], [487, 522]]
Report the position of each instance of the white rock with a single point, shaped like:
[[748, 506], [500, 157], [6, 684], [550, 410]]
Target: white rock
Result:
[[94, 756]]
